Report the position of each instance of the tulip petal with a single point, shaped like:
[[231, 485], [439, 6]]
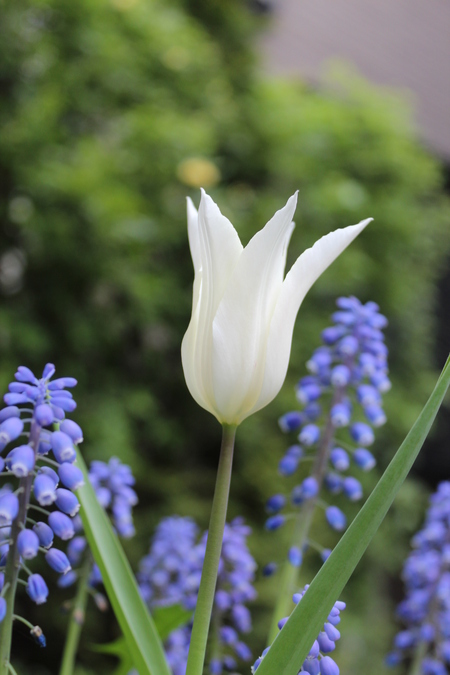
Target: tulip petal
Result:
[[194, 245], [215, 249], [241, 325], [194, 241], [304, 272]]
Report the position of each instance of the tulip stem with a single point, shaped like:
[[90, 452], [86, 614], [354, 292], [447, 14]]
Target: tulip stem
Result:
[[205, 600]]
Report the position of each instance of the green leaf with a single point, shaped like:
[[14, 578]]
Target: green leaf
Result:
[[135, 621], [117, 648], [168, 618], [294, 641]]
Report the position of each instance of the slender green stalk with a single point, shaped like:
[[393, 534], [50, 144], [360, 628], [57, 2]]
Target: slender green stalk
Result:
[[26, 623], [290, 575], [13, 563], [76, 620], [416, 665], [205, 600], [10, 669]]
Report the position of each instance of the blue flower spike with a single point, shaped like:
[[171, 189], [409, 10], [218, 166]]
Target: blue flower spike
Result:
[[33, 406], [340, 406], [425, 611]]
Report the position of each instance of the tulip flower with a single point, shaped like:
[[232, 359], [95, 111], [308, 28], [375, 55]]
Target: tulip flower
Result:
[[236, 350]]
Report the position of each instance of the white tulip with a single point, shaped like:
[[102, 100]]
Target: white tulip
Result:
[[235, 352]]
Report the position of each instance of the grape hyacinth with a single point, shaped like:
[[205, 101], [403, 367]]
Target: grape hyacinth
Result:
[[425, 611], [317, 660], [113, 483], [34, 423], [170, 574], [341, 404]]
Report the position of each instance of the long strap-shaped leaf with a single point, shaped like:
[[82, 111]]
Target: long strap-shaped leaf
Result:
[[135, 621], [293, 643]]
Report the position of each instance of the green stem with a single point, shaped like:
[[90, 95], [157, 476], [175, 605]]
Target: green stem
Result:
[[13, 562], [419, 655], [205, 600], [27, 623], [46, 512], [76, 619], [290, 575]]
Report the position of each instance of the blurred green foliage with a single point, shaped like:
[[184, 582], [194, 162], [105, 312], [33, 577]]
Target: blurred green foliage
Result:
[[111, 112]]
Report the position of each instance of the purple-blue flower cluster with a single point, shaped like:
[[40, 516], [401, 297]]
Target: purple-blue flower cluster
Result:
[[113, 483], [35, 408], [317, 660], [170, 574], [425, 611], [341, 404]]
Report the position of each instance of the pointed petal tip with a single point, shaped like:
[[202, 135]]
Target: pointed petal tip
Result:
[[293, 199], [204, 196], [287, 211], [359, 227], [207, 202]]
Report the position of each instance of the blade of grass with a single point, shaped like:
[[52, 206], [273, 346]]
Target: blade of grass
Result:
[[135, 621], [294, 641]]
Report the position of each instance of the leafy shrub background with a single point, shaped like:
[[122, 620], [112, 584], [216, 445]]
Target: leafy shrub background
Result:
[[111, 113]]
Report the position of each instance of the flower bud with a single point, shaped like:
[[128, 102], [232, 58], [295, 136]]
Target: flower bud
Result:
[[335, 518], [67, 502], [62, 447], [27, 544], [58, 561], [72, 429], [44, 489], [10, 429], [37, 589], [9, 508], [44, 415], [61, 525], [71, 476], [20, 461], [44, 533]]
